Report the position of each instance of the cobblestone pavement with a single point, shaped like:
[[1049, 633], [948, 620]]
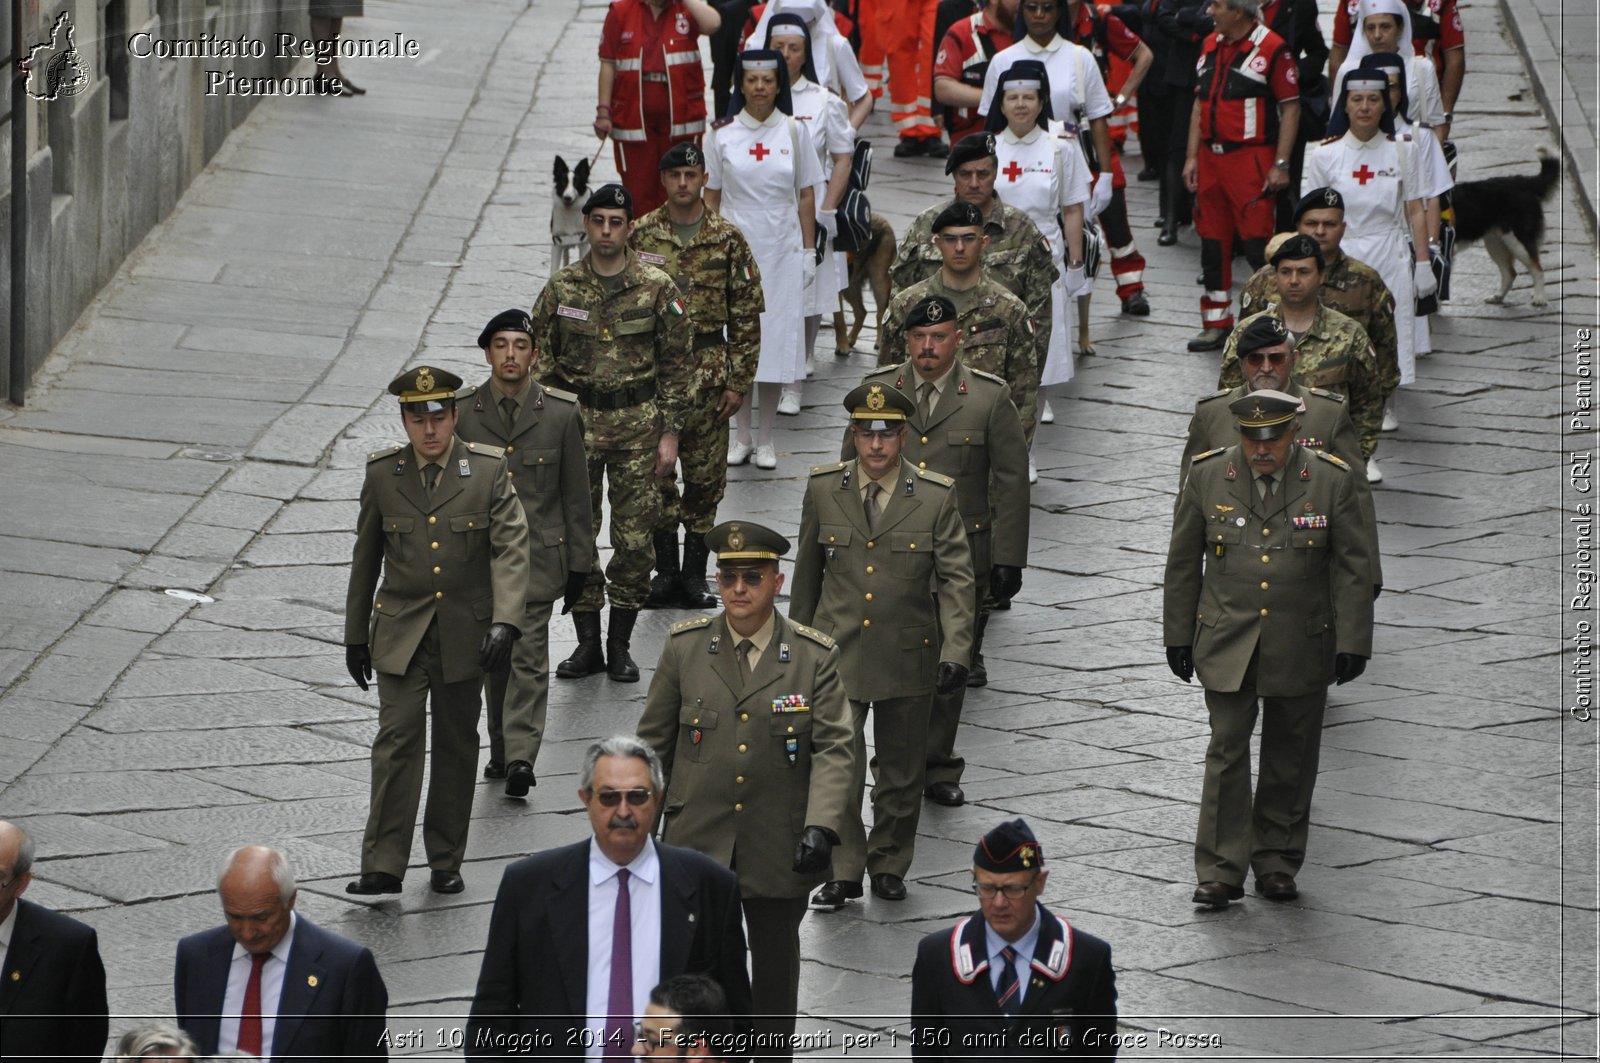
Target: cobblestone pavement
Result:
[[204, 426]]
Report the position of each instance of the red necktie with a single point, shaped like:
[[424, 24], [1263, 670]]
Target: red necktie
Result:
[[250, 1017]]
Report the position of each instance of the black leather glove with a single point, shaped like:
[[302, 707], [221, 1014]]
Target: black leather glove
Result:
[[952, 677], [1181, 660], [1004, 582], [1348, 666], [494, 653], [822, 244], [1377, 589], [358, 662], [813, 853], [574, 591]]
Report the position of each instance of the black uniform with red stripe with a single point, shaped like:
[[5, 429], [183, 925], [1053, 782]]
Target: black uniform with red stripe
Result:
[[1068, 1010]]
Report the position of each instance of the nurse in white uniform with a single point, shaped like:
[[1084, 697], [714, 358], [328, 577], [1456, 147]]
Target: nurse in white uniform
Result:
[[833, 59], [824, 116], [1383, 188], [1046, 178], [761, 171]]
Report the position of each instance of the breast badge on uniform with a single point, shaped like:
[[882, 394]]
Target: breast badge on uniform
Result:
[[791, 750], [1315, 520], [790, 703], [464, 467]]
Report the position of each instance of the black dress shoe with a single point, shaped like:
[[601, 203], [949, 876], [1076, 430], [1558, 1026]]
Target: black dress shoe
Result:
[[1277, 886], [495, 769], [888, 887], [1135, 304], [945, 793], [1168, 237], [447, 882], [935, 148], [1161, 222], [1209, 339], [830, 897], [907, 147], [1216, 894], [519, 779], [1149, 173], [978, 674], [373, 882]]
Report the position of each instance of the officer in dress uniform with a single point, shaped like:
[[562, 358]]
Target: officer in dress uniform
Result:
[[748, 715], [1013, 980], [875, 534], [1268, 595], [542, 433], [440, 521], [964, 426]]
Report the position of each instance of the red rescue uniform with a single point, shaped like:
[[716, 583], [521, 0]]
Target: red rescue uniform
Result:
[[964, 55], [658, 97]]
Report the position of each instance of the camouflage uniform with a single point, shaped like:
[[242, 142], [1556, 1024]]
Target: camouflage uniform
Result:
[[1017, 256], [625, 354], [1334, 354], [1356, 291], [718, 279], [996, 336]]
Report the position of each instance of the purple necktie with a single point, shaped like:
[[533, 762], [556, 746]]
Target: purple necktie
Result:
[[619, 1006]]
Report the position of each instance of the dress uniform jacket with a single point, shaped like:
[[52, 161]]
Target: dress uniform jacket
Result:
[[460, 557], [1290, 576], [548, 469], [750, 764], [1068, 1009], [996, 335], [974, 437], [1325, 425], [897, 602]]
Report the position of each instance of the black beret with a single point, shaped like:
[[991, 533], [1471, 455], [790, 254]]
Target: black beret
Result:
[[1298, 246], [505, 321], [1009, 847], [1323, 198], [932, 310], [1262, 330], [970, 148], [958, 213], [683, 153], [609, 196]]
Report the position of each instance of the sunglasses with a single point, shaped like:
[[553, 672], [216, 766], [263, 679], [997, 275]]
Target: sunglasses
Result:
[[613, 798], [1275, 357], [749, 576]]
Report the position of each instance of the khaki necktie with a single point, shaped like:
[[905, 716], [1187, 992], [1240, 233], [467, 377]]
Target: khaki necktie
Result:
[[871, 507], [924, 402], [743, 649], [508, 412], [430, 477], [1269, 487]]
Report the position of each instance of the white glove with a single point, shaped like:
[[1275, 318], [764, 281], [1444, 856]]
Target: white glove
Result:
[[1077, 282], [1422, 278], [1099, 195], [829, 220], [808, 266]]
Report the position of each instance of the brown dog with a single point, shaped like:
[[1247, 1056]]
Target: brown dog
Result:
[[870, 264]]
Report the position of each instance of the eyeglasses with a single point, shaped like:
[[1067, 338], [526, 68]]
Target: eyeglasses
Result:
[[959, 239], [1275, 357], [1014, 891], [751, 577], [613, 798]]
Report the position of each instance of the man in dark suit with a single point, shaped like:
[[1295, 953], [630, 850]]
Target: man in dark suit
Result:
[[271, 982], [1016, 980], [50, 969], [581, 934]]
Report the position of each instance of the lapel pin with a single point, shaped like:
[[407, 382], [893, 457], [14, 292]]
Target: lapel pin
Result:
[[466, 467], [16, 976], [400, 466], [715, 644], [962, 389], [1229, 473], [311, 980], [783, 651], [911, 486], [691, 917]]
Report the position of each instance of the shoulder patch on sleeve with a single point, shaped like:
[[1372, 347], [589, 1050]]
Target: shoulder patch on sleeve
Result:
[[379, 455], [1217, 394], [557, 393], [1322, 393], [486, 451], [692, 624], [1198, 458], [1325, 456], [937, 477], [811, 633]]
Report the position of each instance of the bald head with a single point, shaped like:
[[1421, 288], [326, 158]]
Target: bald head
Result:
[[16, 865], [257, 889]]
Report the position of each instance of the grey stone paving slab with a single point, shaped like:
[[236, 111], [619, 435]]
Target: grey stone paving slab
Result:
[[208, 712], [1447, 745], [198, 749], [194, 639], [1351, 990], [1442, 958], [180, 869], [161, 676]]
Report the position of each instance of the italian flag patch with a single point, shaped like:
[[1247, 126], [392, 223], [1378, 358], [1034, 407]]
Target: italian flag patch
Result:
[[677, 307], [745, 273]]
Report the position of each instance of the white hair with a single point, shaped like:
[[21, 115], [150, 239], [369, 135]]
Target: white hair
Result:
[[277, 866]]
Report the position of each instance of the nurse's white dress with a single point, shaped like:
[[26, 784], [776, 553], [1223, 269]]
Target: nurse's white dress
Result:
[[1039, 174], [760, 168], [1377, 178], [827, 121]]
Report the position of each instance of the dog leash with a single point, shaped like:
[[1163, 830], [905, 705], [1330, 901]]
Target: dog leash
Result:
[[596, 157]]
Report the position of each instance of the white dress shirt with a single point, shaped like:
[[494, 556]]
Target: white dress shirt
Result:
[[272, 973], [644, 910]]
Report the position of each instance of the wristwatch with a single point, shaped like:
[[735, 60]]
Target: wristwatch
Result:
[[1282, 164], [1075, 265], [1119, 100]]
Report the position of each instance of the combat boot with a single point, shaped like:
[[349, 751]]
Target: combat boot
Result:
[[619, 665], [587, 659], [664, 584], [692, 592]]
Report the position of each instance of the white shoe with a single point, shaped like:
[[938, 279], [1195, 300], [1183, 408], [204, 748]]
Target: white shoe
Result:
[[1046, 414], [1390, 421], [811, 365], [1033, 471], [789, 403], [766, 457], [1374, 474], [738, 453]]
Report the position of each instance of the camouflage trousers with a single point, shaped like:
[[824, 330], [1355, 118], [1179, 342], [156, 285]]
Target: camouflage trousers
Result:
[[703, 457], [635, 497]]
